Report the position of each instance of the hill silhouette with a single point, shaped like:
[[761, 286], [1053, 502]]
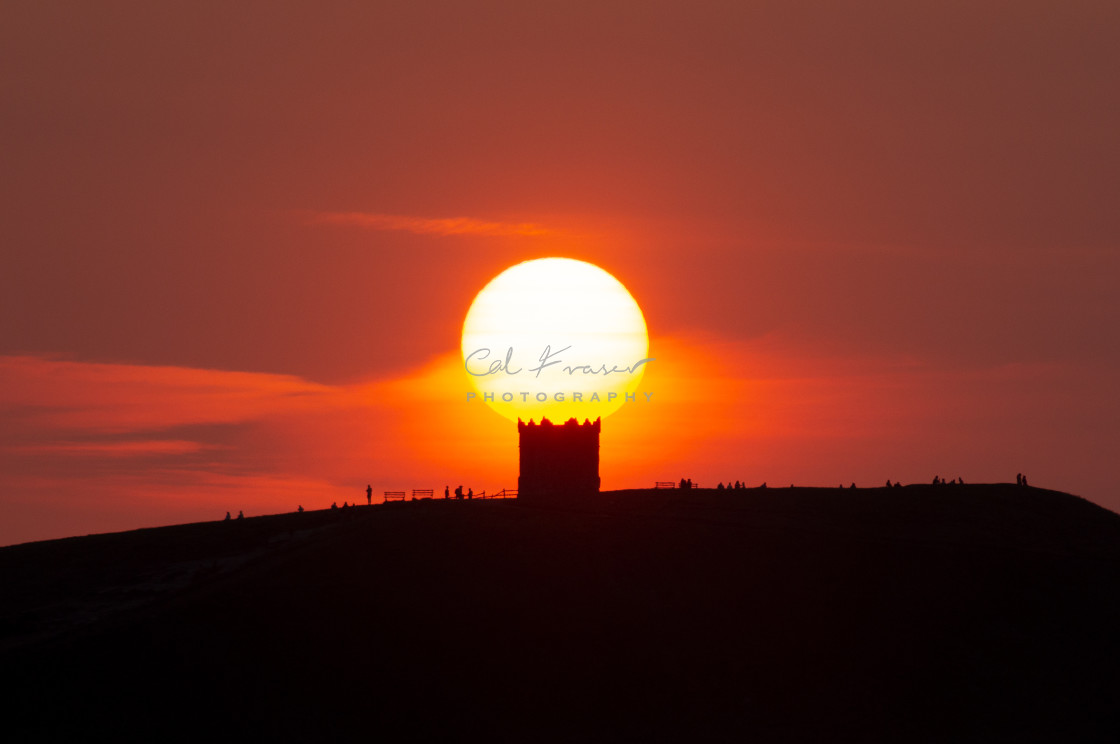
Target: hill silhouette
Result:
[[948, 613]]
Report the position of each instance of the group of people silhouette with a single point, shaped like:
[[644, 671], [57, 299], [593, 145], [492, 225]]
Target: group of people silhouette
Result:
[[458, 493], [1020, 480]]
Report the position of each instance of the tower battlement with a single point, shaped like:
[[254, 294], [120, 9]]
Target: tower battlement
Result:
[[558, 460]]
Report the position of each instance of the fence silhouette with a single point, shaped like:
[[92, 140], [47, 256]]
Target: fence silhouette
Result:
[[428, 493]]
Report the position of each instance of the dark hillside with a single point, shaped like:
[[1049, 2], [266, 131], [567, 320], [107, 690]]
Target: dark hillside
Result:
[[951, 613]]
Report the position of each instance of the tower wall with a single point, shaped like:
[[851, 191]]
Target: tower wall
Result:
[[558, 461]]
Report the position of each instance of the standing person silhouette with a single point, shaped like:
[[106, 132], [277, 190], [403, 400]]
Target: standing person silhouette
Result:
[[446, 492], [369, 494]]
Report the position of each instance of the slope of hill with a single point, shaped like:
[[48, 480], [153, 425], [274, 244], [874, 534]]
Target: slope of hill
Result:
[[951, 613]]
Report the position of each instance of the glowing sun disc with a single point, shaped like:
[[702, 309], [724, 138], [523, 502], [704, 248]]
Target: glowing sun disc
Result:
[[574, 338]]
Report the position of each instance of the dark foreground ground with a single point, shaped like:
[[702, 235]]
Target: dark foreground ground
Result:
[[967, 613]]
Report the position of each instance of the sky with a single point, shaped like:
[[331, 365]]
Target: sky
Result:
[[871, 241]]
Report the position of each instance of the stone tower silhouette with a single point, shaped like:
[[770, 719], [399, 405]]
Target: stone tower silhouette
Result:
[[558, 461]]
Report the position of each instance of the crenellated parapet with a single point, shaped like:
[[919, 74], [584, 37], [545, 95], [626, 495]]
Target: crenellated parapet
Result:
[[558, 460]]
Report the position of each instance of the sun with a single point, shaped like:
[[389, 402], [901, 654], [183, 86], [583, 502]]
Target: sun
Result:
[[556, 338]]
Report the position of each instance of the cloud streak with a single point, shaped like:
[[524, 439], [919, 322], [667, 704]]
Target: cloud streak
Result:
[[440, 226], [132, 448], [116, 398]]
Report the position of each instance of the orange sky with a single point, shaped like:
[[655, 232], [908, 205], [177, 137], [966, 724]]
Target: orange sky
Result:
[[871, 240]]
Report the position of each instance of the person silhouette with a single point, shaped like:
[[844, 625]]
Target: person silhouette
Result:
[[334, 504], [446, 493], [470, 494], [1024, 480], [240, 514], [458, 492], [300, 509], [1018, 479], [369, 494], [228, 516]]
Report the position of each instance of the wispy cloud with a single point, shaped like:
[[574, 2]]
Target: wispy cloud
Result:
[[67, 396], [115, 449], [442, 226]]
